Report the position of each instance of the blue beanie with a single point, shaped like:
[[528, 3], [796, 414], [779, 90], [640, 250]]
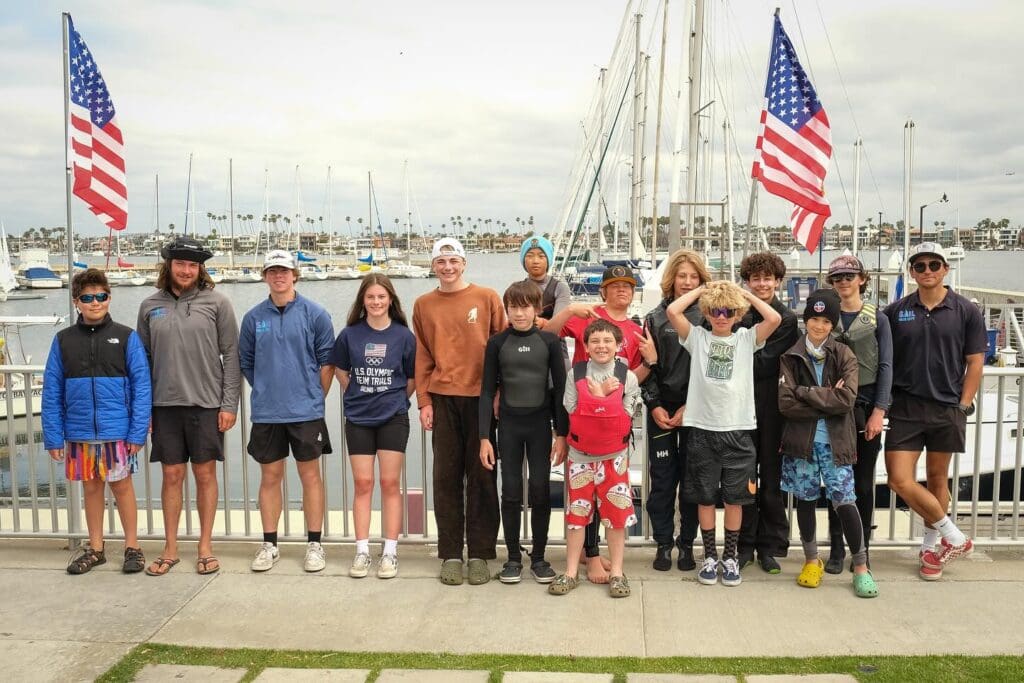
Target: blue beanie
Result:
[[537, 242]]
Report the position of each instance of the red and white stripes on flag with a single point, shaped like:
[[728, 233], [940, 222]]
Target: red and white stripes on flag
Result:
[[794, 144], [95, 142]]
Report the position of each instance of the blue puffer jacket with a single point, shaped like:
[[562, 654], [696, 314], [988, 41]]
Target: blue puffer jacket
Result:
[[96, 386]]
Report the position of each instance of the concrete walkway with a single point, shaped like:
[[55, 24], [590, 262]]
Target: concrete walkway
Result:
[[54, 626]]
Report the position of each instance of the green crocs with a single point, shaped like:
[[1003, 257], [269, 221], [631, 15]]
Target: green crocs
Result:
[[479, 574], [864, 585], [451, 572]]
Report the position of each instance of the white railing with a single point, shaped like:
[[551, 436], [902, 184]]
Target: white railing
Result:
[[36, 501]]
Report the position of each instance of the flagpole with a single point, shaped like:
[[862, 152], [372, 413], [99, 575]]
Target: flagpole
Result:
[[69, 232]]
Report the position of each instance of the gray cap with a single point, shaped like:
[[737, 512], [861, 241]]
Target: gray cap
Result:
[[927, 249]]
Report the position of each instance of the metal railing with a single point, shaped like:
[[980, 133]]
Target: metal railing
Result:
[[36, 501]]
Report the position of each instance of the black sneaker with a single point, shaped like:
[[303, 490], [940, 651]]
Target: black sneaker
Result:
[[686, 563], [663, 558], [512, 572], [745, 558], [542, 572], [769, 564]]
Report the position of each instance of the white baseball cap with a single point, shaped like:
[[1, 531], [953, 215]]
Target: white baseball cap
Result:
[[447, 246], [278, 258]]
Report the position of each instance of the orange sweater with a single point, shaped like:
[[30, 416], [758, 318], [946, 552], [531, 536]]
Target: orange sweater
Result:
[[452, 329]]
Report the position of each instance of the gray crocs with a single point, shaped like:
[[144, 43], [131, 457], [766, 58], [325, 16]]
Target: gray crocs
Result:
[[562, 584], [618, 587], [451, 572], [478, 572]]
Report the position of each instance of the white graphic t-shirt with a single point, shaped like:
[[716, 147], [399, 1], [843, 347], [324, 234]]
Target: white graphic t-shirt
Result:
[[721, 389]]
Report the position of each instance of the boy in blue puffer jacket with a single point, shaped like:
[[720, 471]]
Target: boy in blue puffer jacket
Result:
[[96, 404]]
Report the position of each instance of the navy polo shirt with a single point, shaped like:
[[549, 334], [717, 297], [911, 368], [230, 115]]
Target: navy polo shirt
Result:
[[930, 348]]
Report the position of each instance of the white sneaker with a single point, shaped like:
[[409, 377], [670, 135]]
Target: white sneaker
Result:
[[267, 556], [360, 566], [388, 567], [316, 558]]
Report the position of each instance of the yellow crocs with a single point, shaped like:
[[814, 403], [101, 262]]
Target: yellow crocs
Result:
[[810, 576]]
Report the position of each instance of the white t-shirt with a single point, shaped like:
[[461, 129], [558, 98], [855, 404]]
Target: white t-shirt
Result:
[[721, 390]]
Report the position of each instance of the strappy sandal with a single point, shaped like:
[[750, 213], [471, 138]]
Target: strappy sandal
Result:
[[134, 561], [810, 575], [86, 559], [618, 587], [203, 565], [161, 566]]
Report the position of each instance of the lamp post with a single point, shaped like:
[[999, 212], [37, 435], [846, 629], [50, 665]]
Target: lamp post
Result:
[[920, 224]]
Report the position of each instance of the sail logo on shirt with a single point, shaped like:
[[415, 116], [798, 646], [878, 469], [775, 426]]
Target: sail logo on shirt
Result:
[[471, 316], [262, 327], [373, 354], [905, 316], [524, 349]]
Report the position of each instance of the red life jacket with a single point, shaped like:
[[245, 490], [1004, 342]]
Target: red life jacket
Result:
[[600, 425]]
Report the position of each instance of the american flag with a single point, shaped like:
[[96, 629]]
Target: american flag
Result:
[[375, 350], [94, 138], [794, 144]]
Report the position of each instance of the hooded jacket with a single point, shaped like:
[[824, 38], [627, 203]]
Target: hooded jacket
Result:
[[803, 401], [669, 380]]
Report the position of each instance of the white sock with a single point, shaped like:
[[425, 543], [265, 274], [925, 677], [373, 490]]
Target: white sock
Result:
[[390, 546], [950, 533], [931, 537], [363, 546]]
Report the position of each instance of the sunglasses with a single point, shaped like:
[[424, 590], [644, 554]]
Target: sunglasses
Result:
[[843, 277], [89, 298], [722, 312], [921, 266]]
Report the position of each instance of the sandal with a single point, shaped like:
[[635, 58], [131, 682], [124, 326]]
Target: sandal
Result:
[[562, 584], [203, 565], [810, 575], [134, 561], [161, 566], [86, 559], [618, 587], [451, 572], [864, 585]]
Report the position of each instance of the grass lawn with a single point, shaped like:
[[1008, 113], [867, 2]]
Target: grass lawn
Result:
[[936, 668]]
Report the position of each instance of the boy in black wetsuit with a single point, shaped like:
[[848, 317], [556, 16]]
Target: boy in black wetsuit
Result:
[[526, 365]]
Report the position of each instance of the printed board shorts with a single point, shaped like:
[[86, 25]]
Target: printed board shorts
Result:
[[804, 477], [725, 461], [269, 442], [919, 423], [186, 434], [608, 481], [108, 461], [393, 435]]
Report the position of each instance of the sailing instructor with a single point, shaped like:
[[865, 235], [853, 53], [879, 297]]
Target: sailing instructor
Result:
[[190, 335]]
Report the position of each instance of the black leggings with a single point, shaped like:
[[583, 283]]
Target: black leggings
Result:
[[863, 486], [528, 436]]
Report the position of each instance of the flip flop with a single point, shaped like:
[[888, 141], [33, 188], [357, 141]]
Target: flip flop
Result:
[[203, 565], [162, 566]]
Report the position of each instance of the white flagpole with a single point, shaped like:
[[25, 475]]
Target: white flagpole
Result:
[[69, 232]]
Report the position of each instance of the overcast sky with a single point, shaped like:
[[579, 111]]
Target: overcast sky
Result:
[[485, 101]]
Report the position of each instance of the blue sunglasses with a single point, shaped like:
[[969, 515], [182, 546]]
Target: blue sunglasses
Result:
[[89, 298]]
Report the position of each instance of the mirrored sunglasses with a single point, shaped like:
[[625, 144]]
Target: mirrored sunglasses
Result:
[[843, 277], [723, 312], [89, 298], [921, 266]]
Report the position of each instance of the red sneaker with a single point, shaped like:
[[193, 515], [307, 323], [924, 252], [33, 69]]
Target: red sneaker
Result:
[[930, 573], [930, 558], [952, 552]]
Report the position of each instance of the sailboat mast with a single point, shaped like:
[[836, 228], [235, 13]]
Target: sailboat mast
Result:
[[231, 212], [859, 145], [330, 218], [657, 138], [696, 61], [408, 215], [634, 199], [369, 201], [188, 197]]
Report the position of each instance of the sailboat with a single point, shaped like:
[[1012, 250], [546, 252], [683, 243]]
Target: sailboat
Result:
[[8, 283], [124, 276], [12, 352], [34, 271]]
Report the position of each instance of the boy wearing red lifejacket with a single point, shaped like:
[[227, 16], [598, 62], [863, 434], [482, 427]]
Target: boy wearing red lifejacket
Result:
[[600, 397]]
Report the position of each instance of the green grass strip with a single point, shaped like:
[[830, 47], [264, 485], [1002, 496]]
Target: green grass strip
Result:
[[866, 668]]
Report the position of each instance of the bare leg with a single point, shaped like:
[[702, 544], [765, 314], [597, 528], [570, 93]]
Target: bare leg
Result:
[[206, 503], [616, 548], [391, 492], [733, 517], [937, 476], [94, 512], [170, 499], [901, 467], [362, 479], [312, 493], [573, 547], [270, 494], [128, 510]]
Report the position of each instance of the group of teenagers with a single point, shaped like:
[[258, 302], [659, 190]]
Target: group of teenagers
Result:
[[742, 407]]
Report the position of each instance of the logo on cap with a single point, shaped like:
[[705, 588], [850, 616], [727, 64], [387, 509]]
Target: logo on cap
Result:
[[819, 306], [619, 271], [534, 242]]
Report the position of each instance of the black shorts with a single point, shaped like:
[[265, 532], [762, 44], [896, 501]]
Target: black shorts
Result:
[[393, 435], [725, 461], [919, 423], [186, 434], [269, 442]]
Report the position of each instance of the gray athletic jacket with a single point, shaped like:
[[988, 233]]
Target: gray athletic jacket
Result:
[[192, 344]]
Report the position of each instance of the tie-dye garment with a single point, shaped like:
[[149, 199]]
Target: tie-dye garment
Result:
[[107, 461]]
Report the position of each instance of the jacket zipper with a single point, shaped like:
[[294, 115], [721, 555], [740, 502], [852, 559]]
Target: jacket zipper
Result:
[[92, 369]]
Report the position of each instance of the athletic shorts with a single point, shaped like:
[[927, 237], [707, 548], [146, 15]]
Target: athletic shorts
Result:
[[919, 423], [269, 442], [393, 435], [608, 481], [804, 477], [108, 461], [186, 434], [720, 461]]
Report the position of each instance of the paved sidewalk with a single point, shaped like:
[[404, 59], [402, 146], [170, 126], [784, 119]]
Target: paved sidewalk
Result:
[[55, 626]]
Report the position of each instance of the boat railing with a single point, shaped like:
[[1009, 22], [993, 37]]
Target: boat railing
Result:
[[36, 501]]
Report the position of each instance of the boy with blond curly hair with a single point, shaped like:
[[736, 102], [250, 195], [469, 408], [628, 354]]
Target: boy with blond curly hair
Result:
[[720, 410]]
